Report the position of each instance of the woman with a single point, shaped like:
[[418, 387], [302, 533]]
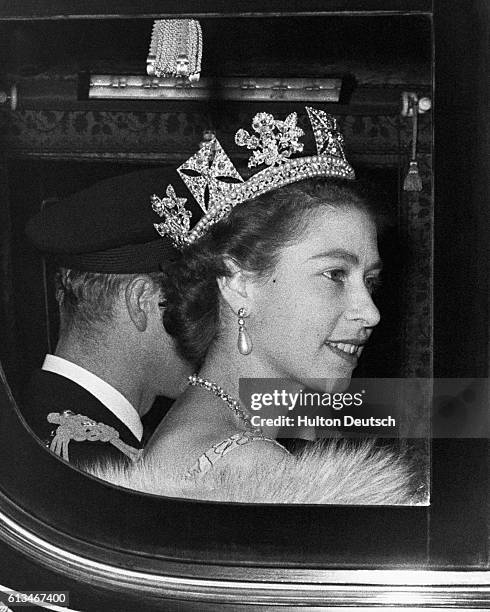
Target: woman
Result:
[[300, 263], [276, 286]]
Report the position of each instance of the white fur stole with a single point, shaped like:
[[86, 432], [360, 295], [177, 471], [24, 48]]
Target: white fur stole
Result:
[[335, 472]]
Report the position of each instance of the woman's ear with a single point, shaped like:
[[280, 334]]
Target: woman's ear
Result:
[[236, 287]]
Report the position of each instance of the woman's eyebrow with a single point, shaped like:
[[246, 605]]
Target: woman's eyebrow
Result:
[[377, 266], [347, 256], [337, 254]]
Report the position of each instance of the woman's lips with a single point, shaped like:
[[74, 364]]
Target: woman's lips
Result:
[[349, 351]]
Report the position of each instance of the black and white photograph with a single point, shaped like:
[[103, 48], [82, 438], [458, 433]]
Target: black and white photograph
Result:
[[244, 314]]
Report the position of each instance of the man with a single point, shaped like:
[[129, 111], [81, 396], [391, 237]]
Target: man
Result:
[[113, 355]]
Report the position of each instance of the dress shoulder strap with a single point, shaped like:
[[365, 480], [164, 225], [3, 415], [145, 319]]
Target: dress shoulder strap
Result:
[[210, 457]]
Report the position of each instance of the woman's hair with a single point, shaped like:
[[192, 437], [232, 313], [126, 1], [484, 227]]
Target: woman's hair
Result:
[[252, 235]]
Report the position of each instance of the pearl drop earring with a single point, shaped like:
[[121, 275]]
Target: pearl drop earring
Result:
[[244, 341]]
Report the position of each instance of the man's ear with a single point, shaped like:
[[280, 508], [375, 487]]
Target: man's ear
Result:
[[138, 296], [236, 288]]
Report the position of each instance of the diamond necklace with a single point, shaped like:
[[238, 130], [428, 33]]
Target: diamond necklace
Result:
[[196, 381]]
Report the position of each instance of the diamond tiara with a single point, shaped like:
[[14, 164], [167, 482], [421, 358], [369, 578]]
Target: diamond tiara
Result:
[[217, 186]]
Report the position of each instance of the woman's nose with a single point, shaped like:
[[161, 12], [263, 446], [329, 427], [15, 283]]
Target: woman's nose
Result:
[[363, 308]]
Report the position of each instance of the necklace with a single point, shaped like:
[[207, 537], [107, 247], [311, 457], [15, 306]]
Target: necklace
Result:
[[230, 401]]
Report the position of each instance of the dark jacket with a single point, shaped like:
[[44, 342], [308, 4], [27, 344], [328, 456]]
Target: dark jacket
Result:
[[49, 392]]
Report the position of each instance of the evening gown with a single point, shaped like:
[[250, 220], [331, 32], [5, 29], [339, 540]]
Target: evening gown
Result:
[[207, 461]]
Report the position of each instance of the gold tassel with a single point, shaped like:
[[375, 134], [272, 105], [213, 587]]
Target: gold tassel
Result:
[[412, 181]]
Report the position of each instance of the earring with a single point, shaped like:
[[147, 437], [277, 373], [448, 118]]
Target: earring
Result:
[[244, 341]]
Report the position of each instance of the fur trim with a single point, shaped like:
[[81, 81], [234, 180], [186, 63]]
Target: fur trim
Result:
[[335, 472]]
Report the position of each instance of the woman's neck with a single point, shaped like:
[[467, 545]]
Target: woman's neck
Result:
[[226, 367]]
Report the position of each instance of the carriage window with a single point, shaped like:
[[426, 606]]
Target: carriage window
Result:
[[293, 328]]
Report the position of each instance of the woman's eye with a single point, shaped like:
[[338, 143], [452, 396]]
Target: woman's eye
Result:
[[337, 276], [373, 283]]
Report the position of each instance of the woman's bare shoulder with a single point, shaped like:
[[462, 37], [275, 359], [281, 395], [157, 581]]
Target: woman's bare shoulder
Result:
[[239, 450]]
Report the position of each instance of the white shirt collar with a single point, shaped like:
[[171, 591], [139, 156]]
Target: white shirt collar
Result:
[[105, 393]]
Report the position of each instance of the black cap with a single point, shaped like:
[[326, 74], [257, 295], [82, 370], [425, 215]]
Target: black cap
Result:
[[108, 227]]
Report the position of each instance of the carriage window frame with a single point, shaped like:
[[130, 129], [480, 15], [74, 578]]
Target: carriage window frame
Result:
[[36, 517]]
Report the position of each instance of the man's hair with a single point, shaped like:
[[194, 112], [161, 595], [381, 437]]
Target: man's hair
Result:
[[87, 299]]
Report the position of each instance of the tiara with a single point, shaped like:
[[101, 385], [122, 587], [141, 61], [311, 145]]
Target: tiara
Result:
[[217, 186]]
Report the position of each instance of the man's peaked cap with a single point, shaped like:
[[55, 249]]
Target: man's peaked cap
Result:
[[108, 227]]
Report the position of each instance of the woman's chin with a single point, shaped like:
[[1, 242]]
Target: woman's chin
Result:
[[330, 384]]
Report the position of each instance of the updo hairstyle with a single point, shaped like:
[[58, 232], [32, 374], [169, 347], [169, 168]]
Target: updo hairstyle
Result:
[[252, 235]]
